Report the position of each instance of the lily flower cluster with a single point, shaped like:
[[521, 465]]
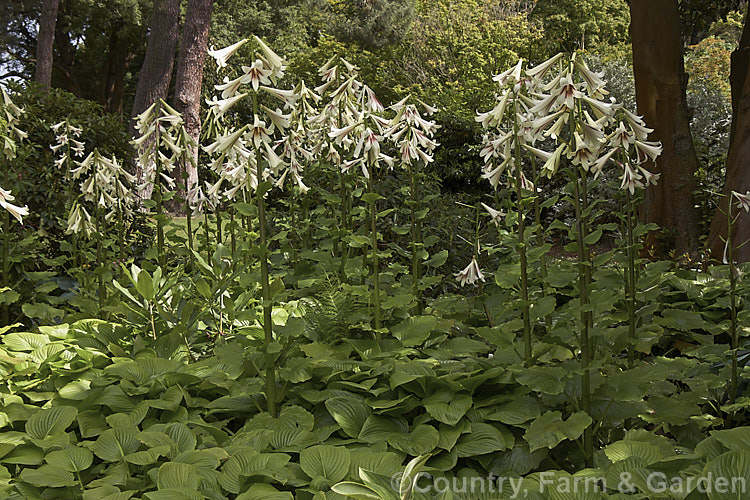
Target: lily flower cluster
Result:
[[10, 133], [267, 149], [159, 146], [67, 145], [564, 101], [412, 134], [104, 184], [352, 118]]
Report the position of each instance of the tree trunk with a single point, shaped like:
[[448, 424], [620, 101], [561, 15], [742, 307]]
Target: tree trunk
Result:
[[660, 83], [738, 172], [67, 52], [114, 69], [156, 72], [46, 42], [187, 99]]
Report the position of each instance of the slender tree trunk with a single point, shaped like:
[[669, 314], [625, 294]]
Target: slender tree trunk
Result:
[[114, 69], [67, 52], [156, 72], [187, 99], [46, 42], [738, 171], [660, 83]]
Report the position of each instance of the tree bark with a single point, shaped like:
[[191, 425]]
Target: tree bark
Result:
[[187, 99], [67, 60], [114, 69], [738, 171], [156, 72], [46, 42], [660, 82]]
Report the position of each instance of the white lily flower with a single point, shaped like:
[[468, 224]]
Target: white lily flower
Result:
[[287, 96], [275, 62], [538, 71], [220, 107], [511, 76], [743, 200], [553, 162], [222, 55], [630, 179], [280, 120], [470, 274], [601, 162], [495, 215], [18, 212], [648, 149], [256, 74]]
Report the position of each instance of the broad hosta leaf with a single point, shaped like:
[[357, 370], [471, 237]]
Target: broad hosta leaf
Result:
[[25, 341], [546, 379], [387, 463], [378, 428], [356, 490], [734, 439], [114, 444], [420, 441], [518, 411], [414, 330], [549, 430], [50, 421], [182, 436], [447, 407], [175, 475], [106, 493], [483, 438], [350, 413], [149, 456], [174, 494], [70, 459], [77, 390], [622, 450], [734, 466], [330, 462], [48, 475], [242, 465], [264, 492]]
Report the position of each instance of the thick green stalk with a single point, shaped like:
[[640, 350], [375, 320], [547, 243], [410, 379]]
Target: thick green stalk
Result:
[[631, 279], [232, 240], [733, 303], [416, 239], [99, 267], [344, 229], [189, 221], [219, 239], [265, 283], [375, 256], [538, 223], [525, 306], [208, 235]]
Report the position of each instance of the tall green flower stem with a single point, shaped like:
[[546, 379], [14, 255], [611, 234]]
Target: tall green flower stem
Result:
[[538, 222], [584, 265], [6, 262], [99, 258], [344, 230], [261, 189], [208, 235], [521, 247], [232, 240], [416, 236], [375, 257], [734, 383], [219, 239], [631, 280]]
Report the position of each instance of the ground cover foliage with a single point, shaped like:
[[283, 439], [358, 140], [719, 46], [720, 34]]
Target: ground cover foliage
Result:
[[320, 340]]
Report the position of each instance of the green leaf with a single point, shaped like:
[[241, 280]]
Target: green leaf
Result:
[[50, 421], [414, 330], [549, 430], [114, 444], [356, 490], [350, 413], [734, 466], [517, 411], [145, 285], [48, 476], [438, 259], [175, 475], [546, 379], [593, 237], [174, 494], [377, 428], [622, 450], [330, 462], [244, 464], [420, 441], [447, 407], [147, 457], [483, 438], [371, 197], [23, 341], [262, 491], [70, 459]]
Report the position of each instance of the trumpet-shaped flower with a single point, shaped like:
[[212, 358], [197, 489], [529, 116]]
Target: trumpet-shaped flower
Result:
[[495, 215], [256, 74], [470, 274], [222, 55], [18, 212]]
